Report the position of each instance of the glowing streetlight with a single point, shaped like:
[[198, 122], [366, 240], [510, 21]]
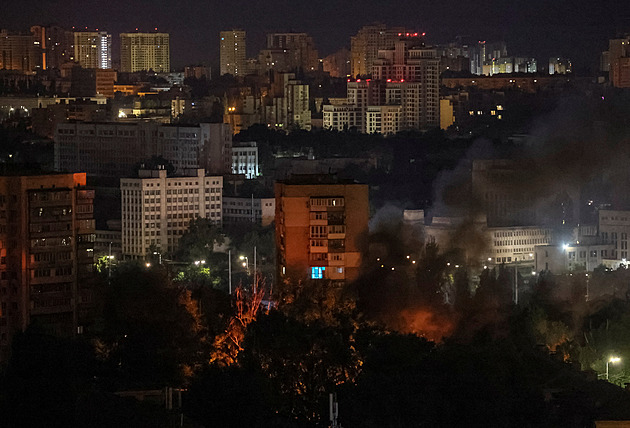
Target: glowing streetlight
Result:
[[565, 247], [245, 262], [200, 262], [612, 360]]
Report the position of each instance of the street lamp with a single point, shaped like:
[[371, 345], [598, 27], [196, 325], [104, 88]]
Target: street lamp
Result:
[[245, 261], [612, 360]]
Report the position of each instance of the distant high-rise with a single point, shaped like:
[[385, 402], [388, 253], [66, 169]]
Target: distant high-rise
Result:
[[559, 66], [296, 49], [93, 49], [56, 44], [402, 94], [365, 45], [619, 56], [145, 51], [233, 52], [19, 51]]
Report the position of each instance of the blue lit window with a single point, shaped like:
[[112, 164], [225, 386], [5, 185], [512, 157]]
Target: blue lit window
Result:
[[317, 272]]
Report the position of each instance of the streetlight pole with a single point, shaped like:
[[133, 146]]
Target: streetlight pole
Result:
[[230, 272]]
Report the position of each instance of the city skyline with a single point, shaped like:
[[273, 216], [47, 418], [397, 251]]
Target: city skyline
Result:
[[570, 29]]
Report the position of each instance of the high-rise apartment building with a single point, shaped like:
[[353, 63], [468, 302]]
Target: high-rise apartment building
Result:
[[406, 76], [232, 52], [619, 57], [114, 149], [298, 50], [369, 40], [559, 66], [93, 49], [19, 51], [56, 43], [46, 256], [320, 224], [145, 51], [157, 209]]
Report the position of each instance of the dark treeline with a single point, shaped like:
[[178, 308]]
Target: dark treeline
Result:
[[478, 360]]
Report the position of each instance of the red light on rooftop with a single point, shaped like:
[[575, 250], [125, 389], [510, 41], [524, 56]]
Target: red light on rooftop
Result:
[[155, 28], [368, 80], [424, 34], [348, 80], [389, 80], [136, 28], [415, 34], [358, 80], [400, 34], [402, 80]]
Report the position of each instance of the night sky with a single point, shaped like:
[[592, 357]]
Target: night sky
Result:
[[578, 29]]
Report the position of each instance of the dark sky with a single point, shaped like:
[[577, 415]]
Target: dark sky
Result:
[[578, 29]]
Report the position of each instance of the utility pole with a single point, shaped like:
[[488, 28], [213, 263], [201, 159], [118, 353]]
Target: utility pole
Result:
[[109, 263], [230, 272], [255, 272], [516, 283], [333, 408]]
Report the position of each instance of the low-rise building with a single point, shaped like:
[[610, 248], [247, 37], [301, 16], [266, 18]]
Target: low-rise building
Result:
[[245, 159], [248, 210]]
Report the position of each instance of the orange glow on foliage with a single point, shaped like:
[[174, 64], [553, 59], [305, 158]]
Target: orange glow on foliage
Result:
[[426, 323]]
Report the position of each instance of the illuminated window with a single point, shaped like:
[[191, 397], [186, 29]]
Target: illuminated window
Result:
[[317, 272]]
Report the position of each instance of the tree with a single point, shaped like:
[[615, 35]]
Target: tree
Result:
[[152, 331], [199, 241]]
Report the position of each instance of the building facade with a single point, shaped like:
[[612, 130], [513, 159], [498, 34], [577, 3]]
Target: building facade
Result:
[[115, 149], [320, 223], [19, 51], [56, 44], [93, 49], [248, 210], [145, 51], [619, 61], [245, 159], [297, 49], [364, 46], [232, 52], [47, 254], [157, 209]]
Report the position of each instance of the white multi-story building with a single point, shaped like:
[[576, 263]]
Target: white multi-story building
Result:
[[157, 209], [572, 257], [516, 244], [145, 51], [93, 49], [384, 120], [249, 210], [614, 228], [232, 52], [245, 159], [342, 117]]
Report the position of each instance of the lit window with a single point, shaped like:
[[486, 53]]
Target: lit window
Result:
[[317, 272]]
